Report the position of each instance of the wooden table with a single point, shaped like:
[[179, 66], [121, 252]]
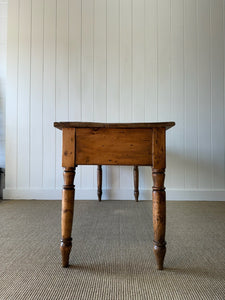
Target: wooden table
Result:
[[136, 144]]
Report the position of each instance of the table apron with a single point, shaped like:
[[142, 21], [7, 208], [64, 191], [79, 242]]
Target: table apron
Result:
[[109, 146]]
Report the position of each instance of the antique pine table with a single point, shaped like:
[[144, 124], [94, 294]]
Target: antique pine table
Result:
[[136, 144]]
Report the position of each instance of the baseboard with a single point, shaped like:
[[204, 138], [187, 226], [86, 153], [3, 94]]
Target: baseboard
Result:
[[91, 194]]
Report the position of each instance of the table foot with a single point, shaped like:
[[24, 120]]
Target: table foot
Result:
[[65, 247], [136, 195], [159, 251]]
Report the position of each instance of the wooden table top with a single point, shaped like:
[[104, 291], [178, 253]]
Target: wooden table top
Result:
[[61, 125]]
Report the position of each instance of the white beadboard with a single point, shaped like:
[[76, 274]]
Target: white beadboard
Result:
[[175, 156], [114, 61], [204, 96], [36, 94], [23, 95], [49, 96], [190, 93], [217, 92], [12, 96], [3, 48]]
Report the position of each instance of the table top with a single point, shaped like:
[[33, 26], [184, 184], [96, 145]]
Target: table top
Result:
[[61, 125]]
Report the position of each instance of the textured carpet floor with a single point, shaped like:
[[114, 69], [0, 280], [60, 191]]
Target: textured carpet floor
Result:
[[112, 255]]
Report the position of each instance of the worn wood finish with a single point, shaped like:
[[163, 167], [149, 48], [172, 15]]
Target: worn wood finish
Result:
[[109, 146], [67, 214], [99, 182], [115, 144], [159, 194], [61, 125], [159, 148], [136, 183], [159, 216], [68, 150], [68, 163]]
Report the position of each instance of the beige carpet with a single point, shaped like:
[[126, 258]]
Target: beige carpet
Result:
[[112, 255]]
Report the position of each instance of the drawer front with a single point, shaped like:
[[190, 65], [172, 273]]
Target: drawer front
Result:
[[107, 146]]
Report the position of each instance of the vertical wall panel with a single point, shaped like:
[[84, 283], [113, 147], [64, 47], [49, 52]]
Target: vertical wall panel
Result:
[[24, 72], [126, 66], [138, 79], [49, 88], [12, 89], [3, 55], [204, 96], [191, 94], [75, 32], [36, 95], [100, 61], [87, 60], [175, 155], [151, 60], [113, 65], [224, 78], [217, 92], [164, 53]]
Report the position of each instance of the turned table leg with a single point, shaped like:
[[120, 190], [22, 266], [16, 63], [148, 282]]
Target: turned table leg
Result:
[[67, 214], [159, 194], [136, 183], [99, 182], [159, 215]]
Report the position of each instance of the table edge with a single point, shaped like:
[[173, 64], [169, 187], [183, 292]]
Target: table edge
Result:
[[61, 125]]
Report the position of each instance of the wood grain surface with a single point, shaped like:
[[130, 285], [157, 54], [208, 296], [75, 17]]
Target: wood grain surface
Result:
[[108, 146]]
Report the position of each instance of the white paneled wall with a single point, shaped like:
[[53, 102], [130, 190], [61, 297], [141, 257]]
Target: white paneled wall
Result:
[[116, 61], [3, 46]]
